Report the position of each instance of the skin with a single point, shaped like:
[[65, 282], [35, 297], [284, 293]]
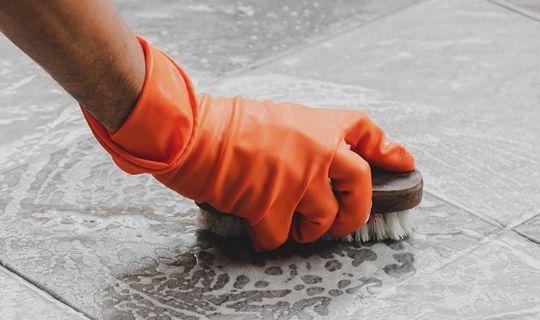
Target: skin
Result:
[[86, 47]]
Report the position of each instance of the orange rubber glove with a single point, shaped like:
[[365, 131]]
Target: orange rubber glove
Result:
[[269, 163]]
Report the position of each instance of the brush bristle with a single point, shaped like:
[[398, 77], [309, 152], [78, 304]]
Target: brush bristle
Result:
[[395, 230], [378, 229], [363, 232], [405, 221], [394, 226]]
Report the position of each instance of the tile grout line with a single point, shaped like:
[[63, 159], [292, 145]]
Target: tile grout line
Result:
[[43, 288], [523, 251], [487, 238], [311, 43], [487, 219], [457, 204], [531, 239], [519, 223], [511, 7]]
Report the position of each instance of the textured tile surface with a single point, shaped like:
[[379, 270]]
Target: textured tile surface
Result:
[[475, 68], [30, 102], [499, 280], [20, 300], [114, 245], [123, 247]]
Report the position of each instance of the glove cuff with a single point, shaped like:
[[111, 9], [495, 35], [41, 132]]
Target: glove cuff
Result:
[[158, 133]]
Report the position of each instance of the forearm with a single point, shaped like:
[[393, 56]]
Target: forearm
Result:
[[85, 47]]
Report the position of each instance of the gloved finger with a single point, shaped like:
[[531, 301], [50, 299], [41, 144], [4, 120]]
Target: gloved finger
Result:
[[273, 229], [351, 178], [368, 140], [316, 212]]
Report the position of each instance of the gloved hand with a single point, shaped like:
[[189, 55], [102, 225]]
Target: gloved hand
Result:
[[269, 163]]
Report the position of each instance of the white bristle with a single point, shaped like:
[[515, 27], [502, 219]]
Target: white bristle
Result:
[[405, 221], [378, 227], [395, 231], [364, 233]]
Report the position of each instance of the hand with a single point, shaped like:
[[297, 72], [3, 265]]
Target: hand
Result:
[[269, 163]]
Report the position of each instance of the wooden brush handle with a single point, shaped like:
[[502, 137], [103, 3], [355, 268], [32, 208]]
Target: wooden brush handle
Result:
[[391, 191], [395, 191]]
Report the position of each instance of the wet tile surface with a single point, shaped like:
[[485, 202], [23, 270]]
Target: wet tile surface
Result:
[[77, 229], [30, 100], [498, 280], [21, 300], [123, 247], [116, 245], [476, 136]]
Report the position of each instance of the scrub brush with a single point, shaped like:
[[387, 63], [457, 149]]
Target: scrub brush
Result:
[[394, 195]]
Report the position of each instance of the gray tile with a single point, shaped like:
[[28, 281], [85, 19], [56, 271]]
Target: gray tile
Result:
[[499, 280], [36, 115], [29, 98], [220, 36], [113, 245], [30, 145], [124, 247], [530, 229], [461, 76], [20, 300]]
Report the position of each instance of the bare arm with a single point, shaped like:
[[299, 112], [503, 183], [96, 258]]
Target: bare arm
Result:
[[85, 47]]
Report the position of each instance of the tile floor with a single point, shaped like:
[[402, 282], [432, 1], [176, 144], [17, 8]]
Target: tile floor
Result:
[[457, 81]]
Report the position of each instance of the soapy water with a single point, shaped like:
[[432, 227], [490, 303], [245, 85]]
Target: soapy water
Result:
[[114, 244]]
